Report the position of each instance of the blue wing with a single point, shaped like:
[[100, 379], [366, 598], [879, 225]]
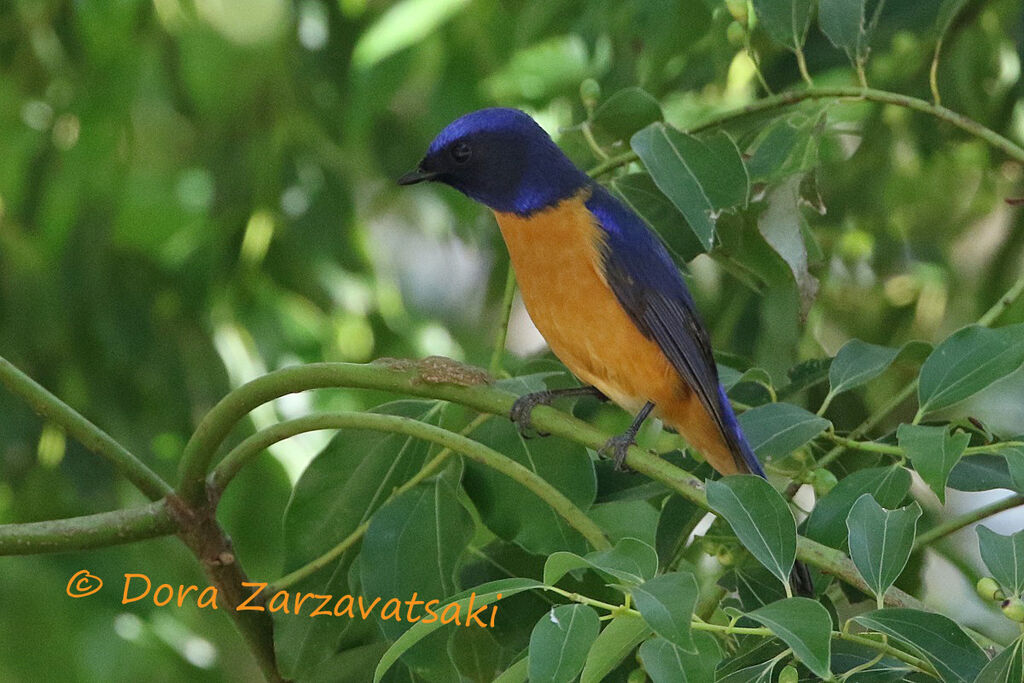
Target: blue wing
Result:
[[647, 283]]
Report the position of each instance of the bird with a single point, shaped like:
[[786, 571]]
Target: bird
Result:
[[599, 285]]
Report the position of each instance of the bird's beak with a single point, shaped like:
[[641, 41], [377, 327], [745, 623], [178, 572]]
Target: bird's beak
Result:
[[417, 176]]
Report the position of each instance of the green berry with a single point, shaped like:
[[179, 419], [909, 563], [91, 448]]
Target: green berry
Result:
[[738, 10], [988, 588], [788, 674], [823, 481], [725, 557], [1013, 608]]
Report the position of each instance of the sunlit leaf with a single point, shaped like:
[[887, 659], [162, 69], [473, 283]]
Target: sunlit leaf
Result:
[[759, 517], [631, 561], [939, 639], [1005, 667], [666, 603], [775, 430], [827, 522], [700, 175], [968, 361], [881, 540], [560, 642], [805, 626], [934, 452], [780, 225], [616, 641], [666, 662], [1004, 557]]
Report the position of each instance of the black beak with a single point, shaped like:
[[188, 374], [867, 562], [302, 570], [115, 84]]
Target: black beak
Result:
[[417, 176]]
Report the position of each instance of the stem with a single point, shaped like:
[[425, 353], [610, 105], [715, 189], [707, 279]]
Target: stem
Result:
[[588, 135], [787, 99], [1004, 302], [872, 446], [474, 450], [457, 383], [87, 532], [802, 65], [89, 435], [955, 524], [338, 550], [933, 74], [872, 420], [506, 314]]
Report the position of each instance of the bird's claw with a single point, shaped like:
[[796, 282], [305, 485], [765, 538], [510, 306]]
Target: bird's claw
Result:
[[521, 410], [617, 448]]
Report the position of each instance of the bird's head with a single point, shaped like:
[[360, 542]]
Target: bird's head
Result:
[[500, 158]]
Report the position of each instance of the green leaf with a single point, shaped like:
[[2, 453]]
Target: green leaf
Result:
[[666, 603], [339, 490], [348, 480], [775, 430], [845, 25], [1015, 464], [939, 640], [756, 586], [968, 361], [412, 548], [1004, 557], [858, 362], [881, 541], [484, 594], [631, 561], [517, 673], [1005, 667], [934, 452], [638, 192], [781, 226], [676, 521], [786, 21], [701, 176], [666, 662], [476, 653], [624, 113], [753, 664], [560, 642], [616, 641], [805, 626], [759, 517], [827, 522], [514, 513], [982, 472]]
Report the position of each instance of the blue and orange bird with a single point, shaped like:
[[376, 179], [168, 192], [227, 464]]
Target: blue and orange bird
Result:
[[599, 285]]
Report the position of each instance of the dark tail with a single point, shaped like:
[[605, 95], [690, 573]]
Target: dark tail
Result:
[[800, 577]]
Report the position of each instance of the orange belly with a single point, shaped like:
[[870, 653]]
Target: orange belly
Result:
[[557, 259]]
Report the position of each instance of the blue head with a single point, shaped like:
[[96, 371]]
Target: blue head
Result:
[[500, 158]]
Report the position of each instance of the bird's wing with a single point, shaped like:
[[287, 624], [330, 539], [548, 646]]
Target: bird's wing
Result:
[[649, 287]]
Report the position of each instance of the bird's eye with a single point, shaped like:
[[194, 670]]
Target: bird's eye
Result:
[[461, 153]]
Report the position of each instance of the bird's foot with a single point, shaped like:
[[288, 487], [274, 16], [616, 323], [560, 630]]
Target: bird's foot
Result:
[[617, 448], [523, 407]]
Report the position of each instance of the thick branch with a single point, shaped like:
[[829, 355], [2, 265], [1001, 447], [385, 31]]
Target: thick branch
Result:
[[90, 531]]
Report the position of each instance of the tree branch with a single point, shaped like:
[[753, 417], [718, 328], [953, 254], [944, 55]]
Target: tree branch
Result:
[[89, 435], [87, 532], [788, 99], [957, 523]]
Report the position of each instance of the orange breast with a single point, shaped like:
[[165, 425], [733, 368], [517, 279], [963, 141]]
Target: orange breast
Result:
[[557, 259]]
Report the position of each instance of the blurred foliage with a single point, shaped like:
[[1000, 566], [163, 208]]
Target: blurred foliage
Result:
[[194, 192]]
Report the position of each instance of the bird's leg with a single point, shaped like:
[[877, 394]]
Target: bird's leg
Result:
[[618, 446], [524, 405]]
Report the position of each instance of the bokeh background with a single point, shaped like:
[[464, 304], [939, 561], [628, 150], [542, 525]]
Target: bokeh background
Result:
[[194, 192]]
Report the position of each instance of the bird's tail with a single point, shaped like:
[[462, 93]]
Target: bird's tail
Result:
[[746, 461]]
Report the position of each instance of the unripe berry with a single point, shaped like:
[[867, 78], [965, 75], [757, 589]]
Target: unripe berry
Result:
[[725, 557], [1013, 608], [988, 588], [738, 10], [823, 481], [788, 674]]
